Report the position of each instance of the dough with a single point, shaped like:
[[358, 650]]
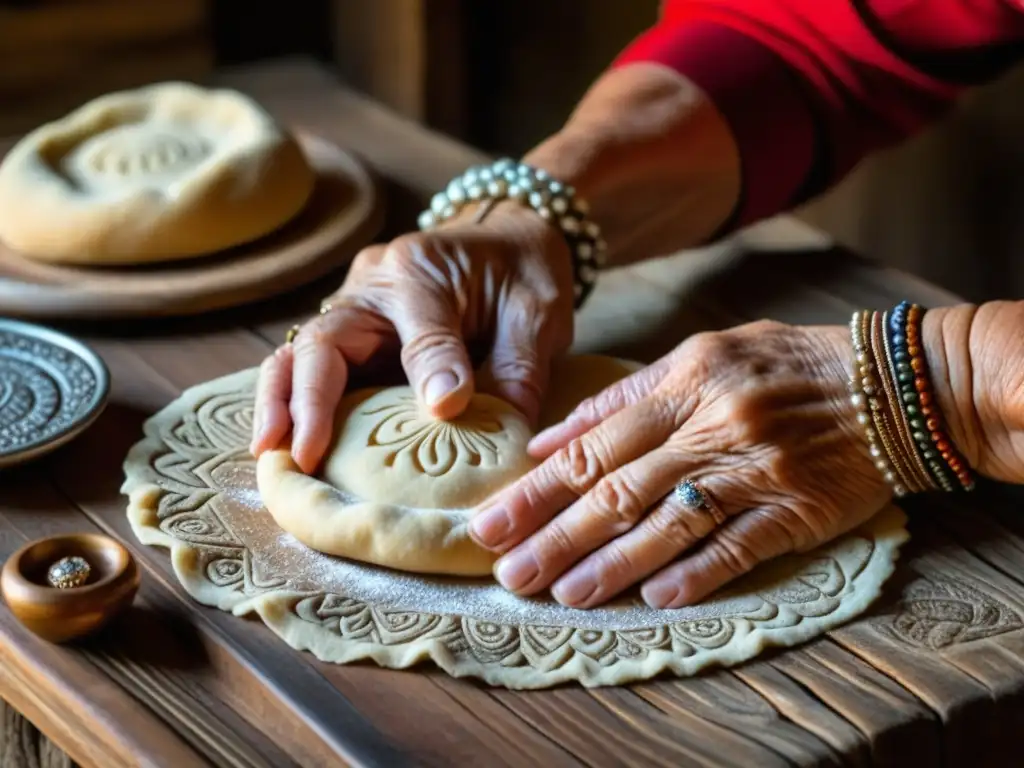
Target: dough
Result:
[[191, 489], [397, 486], [169, 171]]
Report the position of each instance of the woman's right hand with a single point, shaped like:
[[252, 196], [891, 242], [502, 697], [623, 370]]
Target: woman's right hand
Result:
[[505, 282]]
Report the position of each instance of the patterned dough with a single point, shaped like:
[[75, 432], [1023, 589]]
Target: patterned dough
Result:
[[191, 488], [170, 171], [397, 486]]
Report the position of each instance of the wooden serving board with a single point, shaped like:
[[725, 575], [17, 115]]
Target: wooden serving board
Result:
[[342, 216]]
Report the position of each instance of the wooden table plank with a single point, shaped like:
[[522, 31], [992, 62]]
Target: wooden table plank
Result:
[[725, 700], [899, 727], [69, 699]]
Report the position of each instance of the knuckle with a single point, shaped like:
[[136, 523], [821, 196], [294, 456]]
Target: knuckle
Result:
[[617, 502], [678, 528], [428, 343], [781, 469], [614, 564], [743, 413], [524, 365], [404, 250], [733, 554], [579, 465], [533, 494], [557, 542], [708, 347], [787, 529], [764, 327], [368, 257]]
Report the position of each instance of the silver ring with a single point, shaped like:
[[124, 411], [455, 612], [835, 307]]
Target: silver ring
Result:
[[693, 496]]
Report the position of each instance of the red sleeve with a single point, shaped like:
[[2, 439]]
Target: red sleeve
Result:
[[809, 86]]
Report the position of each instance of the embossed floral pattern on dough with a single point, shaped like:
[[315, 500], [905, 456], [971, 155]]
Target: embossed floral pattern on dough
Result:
[[131, 153], [434, 447], [192, 467]]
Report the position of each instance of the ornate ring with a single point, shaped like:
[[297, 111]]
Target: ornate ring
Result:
[[289, 337], [68, 572], [692, 495]]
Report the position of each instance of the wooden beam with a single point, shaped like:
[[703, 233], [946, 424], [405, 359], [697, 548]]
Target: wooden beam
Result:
[[407, 54]]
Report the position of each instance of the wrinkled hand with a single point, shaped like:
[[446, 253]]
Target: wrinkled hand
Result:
[[759, 416], [505, 282]]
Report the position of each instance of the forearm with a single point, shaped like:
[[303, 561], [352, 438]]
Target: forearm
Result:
[[975, 356], [652, 156], [729, 111]]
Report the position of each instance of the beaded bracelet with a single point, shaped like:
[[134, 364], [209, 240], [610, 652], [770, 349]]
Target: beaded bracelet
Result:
[[886, 420], [553, 201], [934, 443], [892, 393], [863, 395], [925, 480]]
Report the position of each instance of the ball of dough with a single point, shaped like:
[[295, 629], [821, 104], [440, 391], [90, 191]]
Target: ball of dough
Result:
[[398, 487], [388, 450], [170, 171]]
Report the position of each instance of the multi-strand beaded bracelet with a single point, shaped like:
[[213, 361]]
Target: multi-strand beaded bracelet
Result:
[[892, 391]]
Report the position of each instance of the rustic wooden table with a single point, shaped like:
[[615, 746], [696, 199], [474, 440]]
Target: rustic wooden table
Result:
[[933, 674]]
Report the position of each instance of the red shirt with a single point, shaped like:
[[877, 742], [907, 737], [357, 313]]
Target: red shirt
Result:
[[809, 86]]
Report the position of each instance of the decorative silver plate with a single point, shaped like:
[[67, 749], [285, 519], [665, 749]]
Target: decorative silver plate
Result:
[[51, 389]]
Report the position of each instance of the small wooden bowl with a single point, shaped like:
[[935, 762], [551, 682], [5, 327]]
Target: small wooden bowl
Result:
[[59, 615]]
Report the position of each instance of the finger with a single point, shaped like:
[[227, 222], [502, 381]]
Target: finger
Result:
[[671, 528], [518, 367], [568, 474], [747, 540], [592, 411], [271, 420], [616, 503], [318, 381], [434, 354]]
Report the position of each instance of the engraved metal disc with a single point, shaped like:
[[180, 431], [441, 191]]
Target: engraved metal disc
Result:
[[51, 388]]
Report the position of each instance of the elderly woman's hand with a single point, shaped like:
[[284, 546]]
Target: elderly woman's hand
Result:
[[505, 282], [759, 416]]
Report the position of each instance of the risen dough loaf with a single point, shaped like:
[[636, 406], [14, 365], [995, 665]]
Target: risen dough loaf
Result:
[[166, 172], [397, 486]]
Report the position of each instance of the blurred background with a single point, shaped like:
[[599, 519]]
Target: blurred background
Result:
[[949, 205]]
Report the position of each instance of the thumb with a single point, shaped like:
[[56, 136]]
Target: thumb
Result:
[[433, 353], [592, 411]]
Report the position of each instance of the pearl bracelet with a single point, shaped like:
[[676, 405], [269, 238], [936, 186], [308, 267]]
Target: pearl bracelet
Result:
[[553, 201]]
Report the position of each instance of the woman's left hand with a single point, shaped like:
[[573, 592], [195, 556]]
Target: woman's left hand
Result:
[[759, 416]]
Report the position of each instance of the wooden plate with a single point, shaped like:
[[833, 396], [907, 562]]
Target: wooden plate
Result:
[[342, 216]]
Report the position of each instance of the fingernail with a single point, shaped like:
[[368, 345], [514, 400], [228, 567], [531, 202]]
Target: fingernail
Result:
[[491, 527], [659, 595], [575, 589], [439, 386], [516, 570]]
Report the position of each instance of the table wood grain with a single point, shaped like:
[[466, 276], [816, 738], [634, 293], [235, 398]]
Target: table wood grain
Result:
[[932, 675]]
